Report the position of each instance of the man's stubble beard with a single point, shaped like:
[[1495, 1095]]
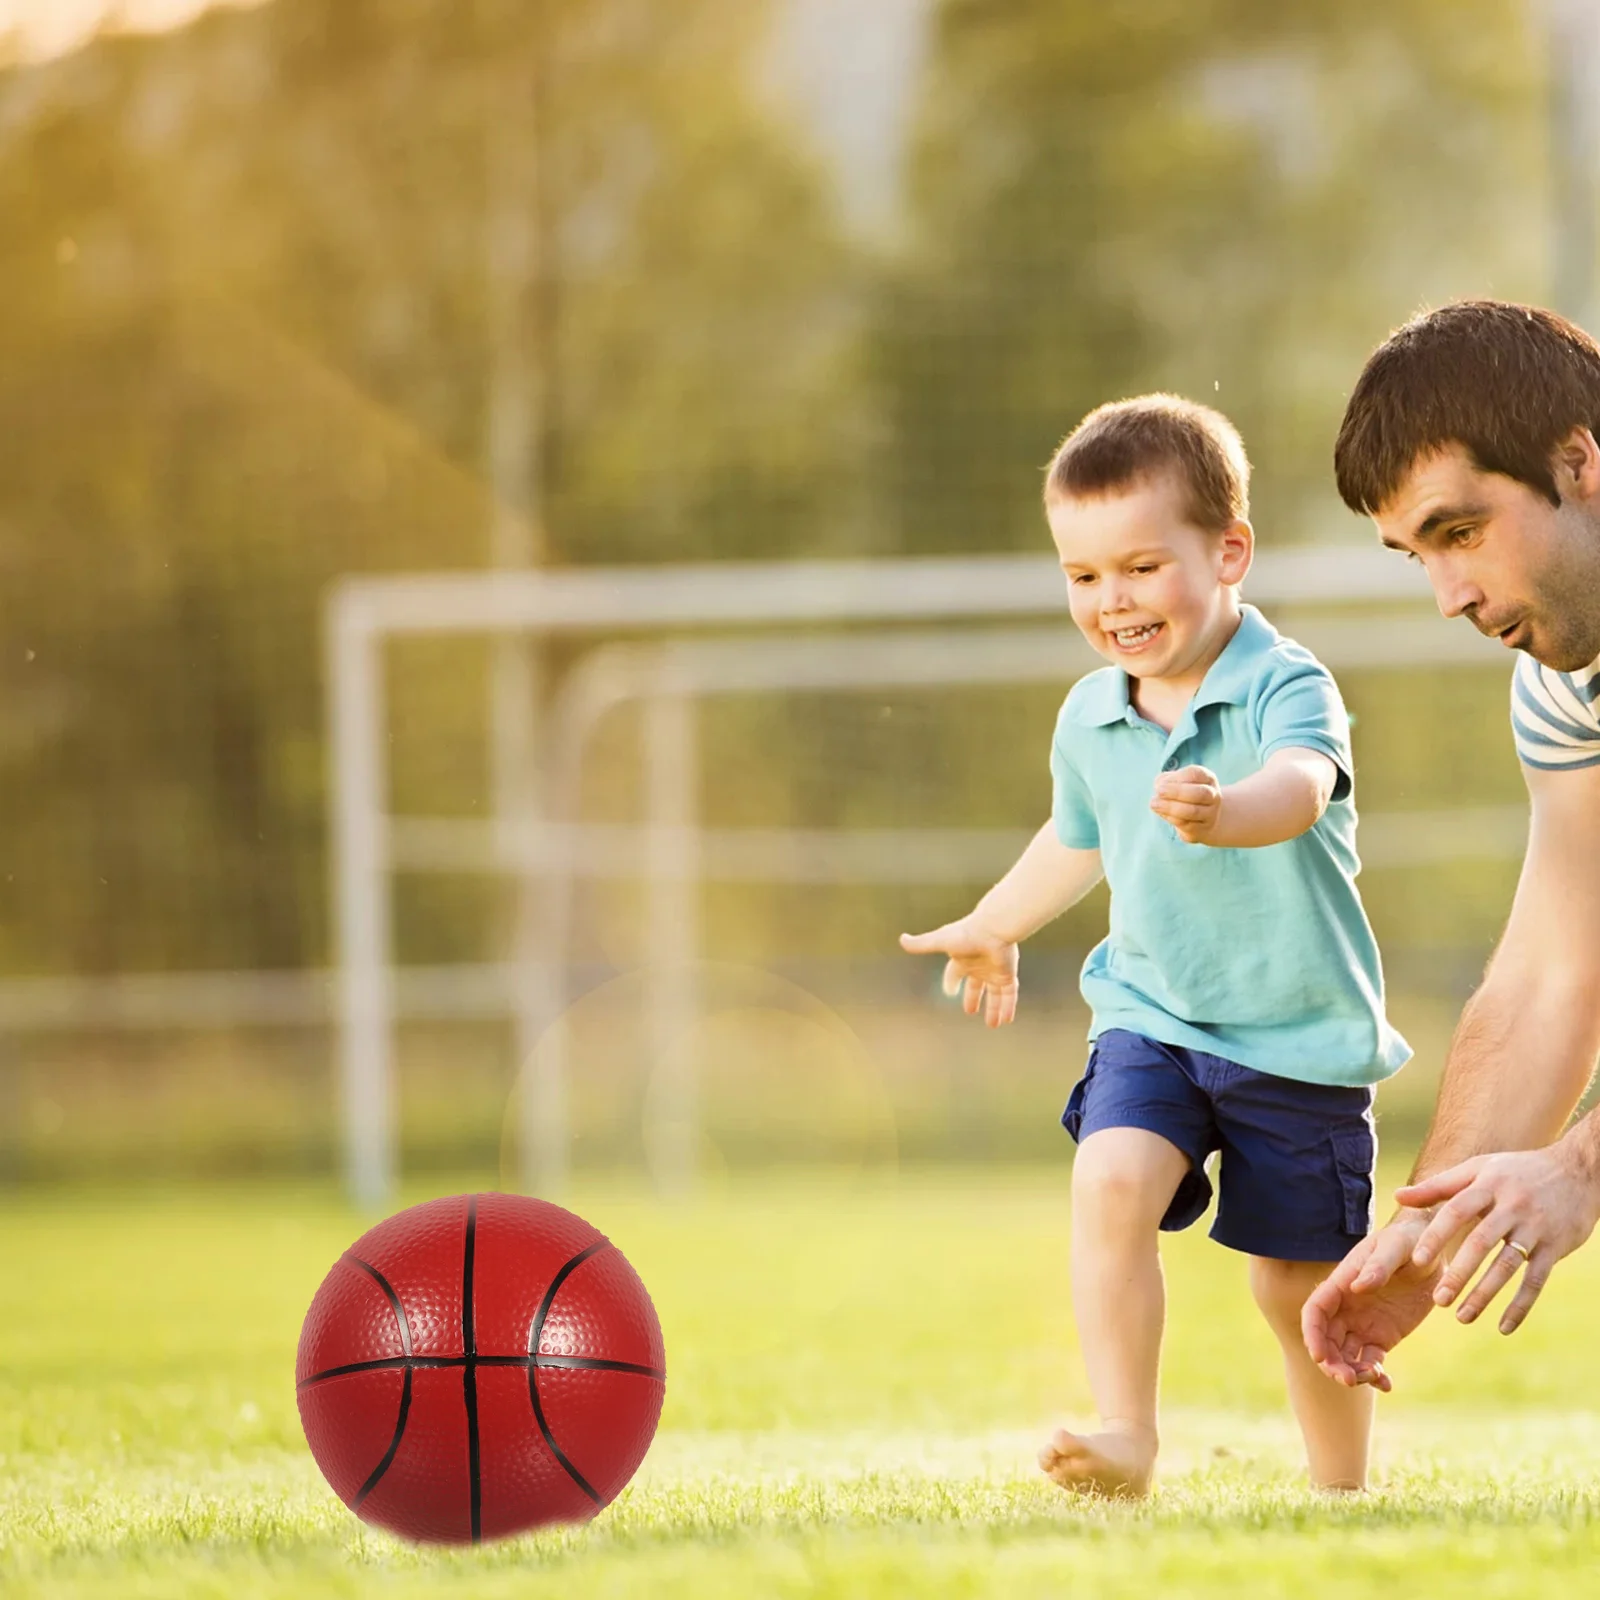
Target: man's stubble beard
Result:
[[1567, 623]]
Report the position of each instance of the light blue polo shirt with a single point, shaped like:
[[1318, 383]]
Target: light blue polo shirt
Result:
[[1263, 956]]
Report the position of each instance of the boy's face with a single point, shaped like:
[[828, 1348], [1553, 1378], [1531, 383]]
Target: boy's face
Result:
[[1151, 592], [1498, 553]]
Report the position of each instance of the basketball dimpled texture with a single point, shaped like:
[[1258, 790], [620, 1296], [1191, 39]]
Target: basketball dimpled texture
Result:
[[478, 1366]]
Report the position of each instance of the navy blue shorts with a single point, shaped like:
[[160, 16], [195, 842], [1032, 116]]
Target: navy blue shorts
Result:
[[1296, 1168]]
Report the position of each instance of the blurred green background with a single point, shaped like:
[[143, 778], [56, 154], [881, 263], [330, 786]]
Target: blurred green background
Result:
[[322, 287]]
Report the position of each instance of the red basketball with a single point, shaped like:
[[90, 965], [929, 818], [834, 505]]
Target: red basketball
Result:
[[478, 1366]]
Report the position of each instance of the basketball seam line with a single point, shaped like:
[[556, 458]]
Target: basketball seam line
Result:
[[405, 1389], [535, 1333], [394, 1445], [469, 1373], [418, 1363], [401, 1321]]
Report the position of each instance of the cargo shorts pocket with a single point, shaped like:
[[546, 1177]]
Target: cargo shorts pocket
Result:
[[1072, 1117], [1355, 1154]]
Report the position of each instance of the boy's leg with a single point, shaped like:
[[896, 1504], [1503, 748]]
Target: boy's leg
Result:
[[1295, 1194], [1335, 1422], [1123, 1180]]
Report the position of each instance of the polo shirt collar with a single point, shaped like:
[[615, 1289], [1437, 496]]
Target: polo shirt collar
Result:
[[1103, 698], [1227, 680]]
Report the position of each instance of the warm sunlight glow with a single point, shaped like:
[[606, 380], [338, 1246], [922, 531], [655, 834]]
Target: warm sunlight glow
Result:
[[37, 29]]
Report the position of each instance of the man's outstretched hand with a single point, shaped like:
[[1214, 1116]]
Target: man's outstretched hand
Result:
[[1546, 1200], [1369, 1303]]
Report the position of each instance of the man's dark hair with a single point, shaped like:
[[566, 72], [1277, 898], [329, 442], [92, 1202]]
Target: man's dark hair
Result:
[[1506, 382]]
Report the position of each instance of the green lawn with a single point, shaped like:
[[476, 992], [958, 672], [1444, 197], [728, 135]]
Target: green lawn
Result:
[[858, 1380]]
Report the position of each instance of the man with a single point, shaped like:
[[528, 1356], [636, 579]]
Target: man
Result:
[[1471, 440]]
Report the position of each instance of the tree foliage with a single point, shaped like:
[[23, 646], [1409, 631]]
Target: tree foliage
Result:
[[1232, 198], [244, 292]]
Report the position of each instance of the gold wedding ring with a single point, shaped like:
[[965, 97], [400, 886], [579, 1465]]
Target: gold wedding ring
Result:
[[1521, 1249]]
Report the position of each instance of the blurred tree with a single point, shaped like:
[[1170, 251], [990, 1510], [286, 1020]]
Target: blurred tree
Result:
[[1233, 198], [243, 299]]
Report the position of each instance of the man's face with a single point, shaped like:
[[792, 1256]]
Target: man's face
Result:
[[1498, 553]]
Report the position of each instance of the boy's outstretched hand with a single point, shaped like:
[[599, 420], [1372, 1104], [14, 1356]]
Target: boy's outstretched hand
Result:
[[1191, 800], [982, 967]]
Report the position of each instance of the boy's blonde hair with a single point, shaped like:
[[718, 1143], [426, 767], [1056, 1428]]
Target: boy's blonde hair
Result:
[[1130, 442]]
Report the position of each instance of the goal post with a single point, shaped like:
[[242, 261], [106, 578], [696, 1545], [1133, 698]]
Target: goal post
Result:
[[711, 630]]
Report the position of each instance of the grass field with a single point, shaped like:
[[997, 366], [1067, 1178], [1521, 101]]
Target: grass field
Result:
[[858, 1378]]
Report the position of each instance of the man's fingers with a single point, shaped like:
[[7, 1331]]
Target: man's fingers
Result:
[[1352, 1372], [1364, 1364], [1367, 1359], [1325, 1341], [1315, 1329], [1329, 1342], [1501, 1271], [1372, 1369], [1474, 1251], [1533, 1280], [1442, 1185], [1321, 1325], [1340, 1354], [1354, 1351], [1390, 1252], [1350, 1376], [1322, 1317], [1454, 1215], [1336, 1363]]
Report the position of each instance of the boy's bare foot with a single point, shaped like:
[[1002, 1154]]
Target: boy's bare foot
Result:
[[1118, 1463]]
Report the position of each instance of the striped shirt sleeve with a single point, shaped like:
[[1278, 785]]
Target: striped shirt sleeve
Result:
[[1554, 715]]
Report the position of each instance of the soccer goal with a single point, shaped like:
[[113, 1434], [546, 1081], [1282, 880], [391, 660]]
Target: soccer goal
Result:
[[667, 639]]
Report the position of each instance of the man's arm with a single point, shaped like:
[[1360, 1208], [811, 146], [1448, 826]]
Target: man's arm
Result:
[[1546, 977], [1525, 1048], [1046, 879], [1519, 1061]]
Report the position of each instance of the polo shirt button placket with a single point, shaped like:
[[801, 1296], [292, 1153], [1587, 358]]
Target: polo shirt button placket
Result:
[[1171, 764]]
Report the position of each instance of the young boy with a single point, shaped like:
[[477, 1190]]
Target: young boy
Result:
[[1238, 1000]]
